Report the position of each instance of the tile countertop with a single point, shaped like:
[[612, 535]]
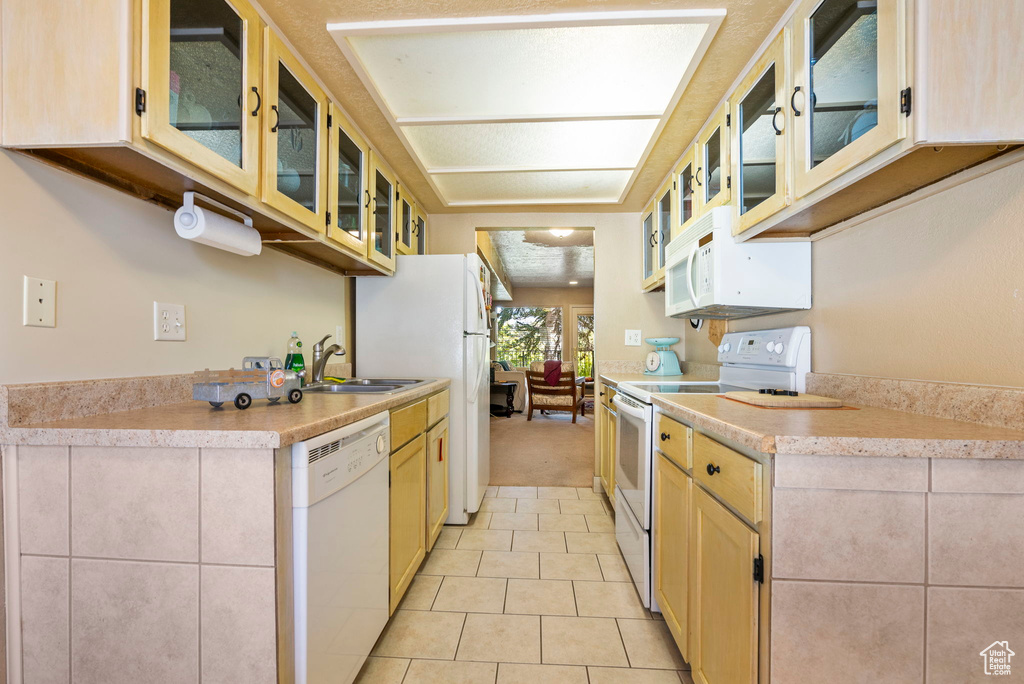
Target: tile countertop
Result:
[[195, 424], [866, 431]]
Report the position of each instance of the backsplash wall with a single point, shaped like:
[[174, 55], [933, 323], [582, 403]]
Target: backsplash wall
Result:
[[112, 256], [931, 291]]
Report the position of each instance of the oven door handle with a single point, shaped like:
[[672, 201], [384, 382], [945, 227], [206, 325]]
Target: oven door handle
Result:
[[628, 409]]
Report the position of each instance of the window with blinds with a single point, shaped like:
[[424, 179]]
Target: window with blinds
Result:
[[529, 333]]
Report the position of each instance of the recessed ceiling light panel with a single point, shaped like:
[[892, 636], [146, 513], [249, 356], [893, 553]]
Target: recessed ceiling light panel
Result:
[[556, 108], [534, 145], [530, 72], [542, 187]]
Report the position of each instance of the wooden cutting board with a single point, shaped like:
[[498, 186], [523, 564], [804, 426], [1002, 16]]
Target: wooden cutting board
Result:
[[772, 401]]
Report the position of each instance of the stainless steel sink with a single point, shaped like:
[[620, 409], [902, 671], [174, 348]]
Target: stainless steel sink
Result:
[[366, 386]]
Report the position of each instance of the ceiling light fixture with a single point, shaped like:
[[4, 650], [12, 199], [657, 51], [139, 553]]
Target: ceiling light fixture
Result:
[[574, 282], [561, 232]]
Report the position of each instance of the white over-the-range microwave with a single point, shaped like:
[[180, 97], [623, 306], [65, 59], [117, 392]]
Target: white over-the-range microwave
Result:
[[708, 274]]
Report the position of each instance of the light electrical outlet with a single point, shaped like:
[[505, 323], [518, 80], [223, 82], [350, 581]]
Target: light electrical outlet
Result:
[[40, 307], [169, 322], [632, 338]]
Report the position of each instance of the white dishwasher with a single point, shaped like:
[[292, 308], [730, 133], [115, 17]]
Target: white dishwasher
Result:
[[340, 537]]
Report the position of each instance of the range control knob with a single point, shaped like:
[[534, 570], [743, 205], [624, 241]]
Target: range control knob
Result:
[[381, 444], [770, 347], [721, 348], [779, 348], [726, 347]]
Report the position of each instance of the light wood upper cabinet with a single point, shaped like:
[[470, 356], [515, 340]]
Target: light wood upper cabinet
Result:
[[201, 75], [408, 523], [684, 178], [760, 157], [673, 491], [653, 271], [437, 481], [348, 197], [421, 231], [713, 175], [294, 134], [405, 232], [848, 61], [724, 624], [383, 214]]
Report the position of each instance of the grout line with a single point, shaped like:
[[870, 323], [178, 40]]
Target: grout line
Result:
[[71, 661], [199, 555], [405, 672], [927, 574], [623, 642], [458, 644]]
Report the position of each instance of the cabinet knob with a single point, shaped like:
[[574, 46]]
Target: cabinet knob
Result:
[[712, 469], [665, 436], [601, 393]]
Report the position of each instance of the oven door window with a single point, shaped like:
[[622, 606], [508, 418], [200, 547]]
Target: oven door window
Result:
[[630, 467]]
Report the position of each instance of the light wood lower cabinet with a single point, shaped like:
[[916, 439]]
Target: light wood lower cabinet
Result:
[[724, 624], [437, 480], [673, 493], [408, 524]]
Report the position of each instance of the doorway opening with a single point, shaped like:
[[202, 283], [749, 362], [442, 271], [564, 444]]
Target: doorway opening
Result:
[[542, 424]]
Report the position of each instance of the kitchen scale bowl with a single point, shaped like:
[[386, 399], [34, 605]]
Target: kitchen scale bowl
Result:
[[662, 342]]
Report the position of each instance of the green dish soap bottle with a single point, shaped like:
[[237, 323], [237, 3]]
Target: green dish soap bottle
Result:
[[294, 360]]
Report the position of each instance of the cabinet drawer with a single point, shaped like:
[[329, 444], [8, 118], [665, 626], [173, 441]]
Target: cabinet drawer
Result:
[[730, 475], [670, 439], [437, 407], [406, 423], [607, 392]]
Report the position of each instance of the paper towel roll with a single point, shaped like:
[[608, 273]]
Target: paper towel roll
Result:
[[210, 228]]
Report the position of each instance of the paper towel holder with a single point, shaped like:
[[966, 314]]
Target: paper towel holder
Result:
[[188, 204]]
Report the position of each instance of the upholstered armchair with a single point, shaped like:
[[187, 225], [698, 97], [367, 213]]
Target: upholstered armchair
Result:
[[565, 395], [504, 373]]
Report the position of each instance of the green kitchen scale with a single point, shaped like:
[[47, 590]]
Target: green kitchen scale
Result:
[[662, 361]]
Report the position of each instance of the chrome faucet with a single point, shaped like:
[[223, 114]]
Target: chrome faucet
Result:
[[321, 356]]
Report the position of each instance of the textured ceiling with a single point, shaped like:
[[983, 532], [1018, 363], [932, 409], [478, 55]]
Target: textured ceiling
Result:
[[304, 22], [538, 258]]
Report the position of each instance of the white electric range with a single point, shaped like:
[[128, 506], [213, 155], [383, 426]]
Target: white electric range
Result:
[[761, 359]]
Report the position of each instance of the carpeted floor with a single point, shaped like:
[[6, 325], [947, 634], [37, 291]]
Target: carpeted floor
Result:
[[549, 451]]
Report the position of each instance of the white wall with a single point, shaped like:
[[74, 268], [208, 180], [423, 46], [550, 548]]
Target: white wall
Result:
[[112, 256], [931, 291]]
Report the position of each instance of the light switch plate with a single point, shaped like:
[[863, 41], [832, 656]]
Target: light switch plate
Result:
[[40, 306], [632, 338], [169, 322]]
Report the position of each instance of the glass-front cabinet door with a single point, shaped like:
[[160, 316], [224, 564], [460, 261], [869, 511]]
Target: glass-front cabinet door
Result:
[[295, 153], [759, 140], [347, 192], [713, 180], [204, 99], [685, 188], [846, 92], [665, 218], [649, 229], [421, 231], [383, 215], [406, 223]]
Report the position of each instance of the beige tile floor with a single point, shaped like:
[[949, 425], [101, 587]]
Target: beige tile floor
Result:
[[532, 591]]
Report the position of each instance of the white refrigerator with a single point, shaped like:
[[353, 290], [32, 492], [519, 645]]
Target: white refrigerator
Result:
[[429, 321]]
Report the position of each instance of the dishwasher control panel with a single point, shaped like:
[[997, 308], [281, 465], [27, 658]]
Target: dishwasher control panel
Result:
[[325, 464]]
